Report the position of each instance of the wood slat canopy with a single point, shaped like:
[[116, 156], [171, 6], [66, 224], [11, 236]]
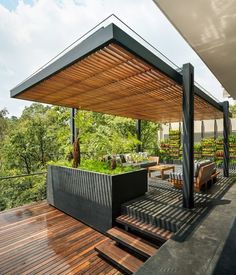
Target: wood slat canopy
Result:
[[113, 78]]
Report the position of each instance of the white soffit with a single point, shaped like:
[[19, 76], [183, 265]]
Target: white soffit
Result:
[[209, 26]]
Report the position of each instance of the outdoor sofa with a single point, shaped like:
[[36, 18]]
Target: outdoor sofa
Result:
[[205, 172]]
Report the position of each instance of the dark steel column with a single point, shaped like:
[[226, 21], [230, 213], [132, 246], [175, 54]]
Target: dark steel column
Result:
[[202, 129], [72, 125], [138, 131], [225, 105], [188, 135], [215, 129]]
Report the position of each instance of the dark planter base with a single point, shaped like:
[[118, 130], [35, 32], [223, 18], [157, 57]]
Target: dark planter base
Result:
[[93, 198]]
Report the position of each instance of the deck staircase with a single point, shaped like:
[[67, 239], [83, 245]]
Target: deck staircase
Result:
[[144, 226], [129, 247], [126, 250]]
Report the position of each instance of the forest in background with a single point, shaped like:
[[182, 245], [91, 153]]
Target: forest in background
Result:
[[42, 135]]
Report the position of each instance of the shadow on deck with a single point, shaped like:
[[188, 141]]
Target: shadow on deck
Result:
[[162, 206]]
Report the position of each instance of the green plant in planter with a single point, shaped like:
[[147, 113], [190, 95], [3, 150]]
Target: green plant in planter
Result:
[[197, 147], [174, 132], [219, 140], [97, 166], [165, 143], [208, 147], [164, 156], [232, 139], [174, 144]]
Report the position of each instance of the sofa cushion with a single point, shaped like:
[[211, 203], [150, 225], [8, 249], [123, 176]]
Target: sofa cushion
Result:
[[199, 164], [177, 176]]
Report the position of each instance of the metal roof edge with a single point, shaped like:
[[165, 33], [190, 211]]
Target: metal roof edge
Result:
[[92, 43]]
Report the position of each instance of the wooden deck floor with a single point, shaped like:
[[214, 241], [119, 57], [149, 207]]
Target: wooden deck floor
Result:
[[39, 239]]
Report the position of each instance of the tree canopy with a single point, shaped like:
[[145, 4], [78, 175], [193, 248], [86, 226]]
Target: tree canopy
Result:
[[42, 134]]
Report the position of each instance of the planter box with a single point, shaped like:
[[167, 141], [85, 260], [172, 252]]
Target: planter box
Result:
[[91, 197]]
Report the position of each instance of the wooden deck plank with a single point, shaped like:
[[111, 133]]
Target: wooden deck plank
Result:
[[119, 257], [31, 252], [35, 244], [40, 239], [131, 241], [156, 232]]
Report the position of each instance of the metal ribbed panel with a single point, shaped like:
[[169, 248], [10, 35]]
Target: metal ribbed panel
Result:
[[91, 197], [90, 186]]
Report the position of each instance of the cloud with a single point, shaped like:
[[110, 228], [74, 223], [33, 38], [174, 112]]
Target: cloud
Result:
[[31, 34]]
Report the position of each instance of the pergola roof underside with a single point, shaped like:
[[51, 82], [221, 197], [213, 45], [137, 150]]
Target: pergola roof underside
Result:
[[114, 81]]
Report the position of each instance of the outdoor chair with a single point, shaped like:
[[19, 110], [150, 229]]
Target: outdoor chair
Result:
[[204, 173]]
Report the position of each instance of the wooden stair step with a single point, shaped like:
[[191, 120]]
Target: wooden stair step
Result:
[[152, 231], [132, 242], [119, 257]]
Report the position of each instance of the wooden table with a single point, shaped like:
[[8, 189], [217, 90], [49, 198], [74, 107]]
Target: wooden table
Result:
[[161, 168]]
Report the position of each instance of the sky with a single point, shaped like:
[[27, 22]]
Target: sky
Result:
[[34, 31]]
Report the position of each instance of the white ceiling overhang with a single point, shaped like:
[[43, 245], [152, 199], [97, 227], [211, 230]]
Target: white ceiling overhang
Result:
[[209, 26]]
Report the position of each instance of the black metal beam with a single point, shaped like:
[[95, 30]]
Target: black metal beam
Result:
[[225, 106], [72, 125], [94, 42], [139, 137], [207, 98], [188, 135]]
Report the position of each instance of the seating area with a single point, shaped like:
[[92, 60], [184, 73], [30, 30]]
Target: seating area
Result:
[[205, 171], [205, 174]]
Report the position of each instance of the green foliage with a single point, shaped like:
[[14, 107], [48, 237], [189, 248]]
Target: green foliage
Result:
[[3, 123], [197, 147], [218, 162], [39, 135], [232, 161], [98, 166], [174, 132], [232, 109], [220, 140], [105, 134], [174, 144], [42, 135], [19, 191], [149, 137], [164, 150], [232, 139]]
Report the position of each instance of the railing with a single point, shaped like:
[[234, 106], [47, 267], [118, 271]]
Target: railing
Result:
[[18, 190], [22, 176]]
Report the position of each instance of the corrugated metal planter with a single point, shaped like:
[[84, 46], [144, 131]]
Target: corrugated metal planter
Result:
[[91, 197]]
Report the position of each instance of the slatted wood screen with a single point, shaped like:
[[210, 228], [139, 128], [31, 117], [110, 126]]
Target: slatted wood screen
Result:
[[114, 81]]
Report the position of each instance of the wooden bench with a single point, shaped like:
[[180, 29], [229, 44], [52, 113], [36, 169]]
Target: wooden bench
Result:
[[207, 173]]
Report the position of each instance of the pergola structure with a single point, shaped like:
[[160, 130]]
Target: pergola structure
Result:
[[110, 72]]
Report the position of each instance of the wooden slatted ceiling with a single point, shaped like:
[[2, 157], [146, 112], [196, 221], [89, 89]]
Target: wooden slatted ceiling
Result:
[[114, 81]]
